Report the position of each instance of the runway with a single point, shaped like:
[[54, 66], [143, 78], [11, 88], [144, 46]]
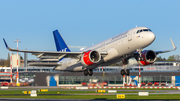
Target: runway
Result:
[[158, 91], [19, 99], [127, 92]]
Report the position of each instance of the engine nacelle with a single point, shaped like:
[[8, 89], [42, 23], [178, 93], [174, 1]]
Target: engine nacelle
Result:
[[90, 57], [149, 57]]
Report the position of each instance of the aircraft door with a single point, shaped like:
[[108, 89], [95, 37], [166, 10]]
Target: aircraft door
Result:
[[103, 46], [130, 35]]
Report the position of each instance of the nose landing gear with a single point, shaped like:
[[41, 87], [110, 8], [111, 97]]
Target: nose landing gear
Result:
[[127, 72], [123, 72]]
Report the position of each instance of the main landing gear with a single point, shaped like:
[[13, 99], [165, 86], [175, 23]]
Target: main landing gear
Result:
[[123, 72], [88, 72]]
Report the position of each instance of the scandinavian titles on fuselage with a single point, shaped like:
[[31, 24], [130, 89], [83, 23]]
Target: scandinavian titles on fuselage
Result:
[[120, 36], [115, 38]]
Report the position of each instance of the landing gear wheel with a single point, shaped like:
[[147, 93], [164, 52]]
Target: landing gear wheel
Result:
[[122, 72], [86, 73], [90, 72], [127, 72], [141, 59]]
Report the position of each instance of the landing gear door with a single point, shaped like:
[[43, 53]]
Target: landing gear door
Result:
[[129, 35]]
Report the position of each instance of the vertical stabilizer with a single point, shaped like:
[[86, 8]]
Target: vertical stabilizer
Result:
[[60, 44]]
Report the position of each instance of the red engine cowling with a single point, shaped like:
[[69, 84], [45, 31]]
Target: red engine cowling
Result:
[[149, 57], [90, 57]]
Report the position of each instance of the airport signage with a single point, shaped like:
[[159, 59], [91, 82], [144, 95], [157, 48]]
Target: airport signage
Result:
[[4, 87], [81, 87], [24, 92], [143, 93], [33, 93], [43, 90], [112, 91], [120, 96], [101, 91]]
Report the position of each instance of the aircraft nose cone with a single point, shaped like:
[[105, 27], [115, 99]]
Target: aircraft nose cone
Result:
[[151, 37]]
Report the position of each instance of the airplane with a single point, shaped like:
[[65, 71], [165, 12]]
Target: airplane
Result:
[[122, 47]]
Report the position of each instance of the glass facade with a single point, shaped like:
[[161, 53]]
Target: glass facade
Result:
[[153, 79], [110, 79], [86, 79]]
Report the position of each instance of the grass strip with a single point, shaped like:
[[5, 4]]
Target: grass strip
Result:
[[153, 97], [63, 92]]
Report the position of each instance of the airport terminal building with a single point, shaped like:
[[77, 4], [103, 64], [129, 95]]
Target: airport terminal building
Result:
[[159, 73], [111, 78]]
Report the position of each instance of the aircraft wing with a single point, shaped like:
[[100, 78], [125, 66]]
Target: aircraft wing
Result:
[[174, 48], [48, 53], [158, 52]]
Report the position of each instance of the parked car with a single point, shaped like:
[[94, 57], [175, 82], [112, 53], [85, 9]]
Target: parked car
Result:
[[149, 83], [163, 84], [156, 83], [143, 84], [84, 84], [4, 84]]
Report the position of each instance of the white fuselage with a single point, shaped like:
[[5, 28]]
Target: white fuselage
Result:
[[117, 47]]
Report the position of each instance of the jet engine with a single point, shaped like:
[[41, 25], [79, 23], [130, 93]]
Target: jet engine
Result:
[[147, 57], [90, 57]]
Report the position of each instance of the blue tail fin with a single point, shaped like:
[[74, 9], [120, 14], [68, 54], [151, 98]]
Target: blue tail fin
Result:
[[60, 44]]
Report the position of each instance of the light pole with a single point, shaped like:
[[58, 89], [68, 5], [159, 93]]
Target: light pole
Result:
[[139, 85], [17, 81], [11, 66]]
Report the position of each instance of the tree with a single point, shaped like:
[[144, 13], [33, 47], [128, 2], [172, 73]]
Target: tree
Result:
[[7, 63], [171, 58], [174, 58], [164, 59], [2, 62], [159, 58]]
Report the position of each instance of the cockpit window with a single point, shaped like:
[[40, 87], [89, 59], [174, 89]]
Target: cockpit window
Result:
[[138, 31], [143, 30]]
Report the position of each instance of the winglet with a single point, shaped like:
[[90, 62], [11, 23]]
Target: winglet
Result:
[[174, 46], [5, 43]]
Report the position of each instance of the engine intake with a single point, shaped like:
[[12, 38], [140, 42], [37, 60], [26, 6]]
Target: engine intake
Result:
[[149, 57], [90, 57]]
